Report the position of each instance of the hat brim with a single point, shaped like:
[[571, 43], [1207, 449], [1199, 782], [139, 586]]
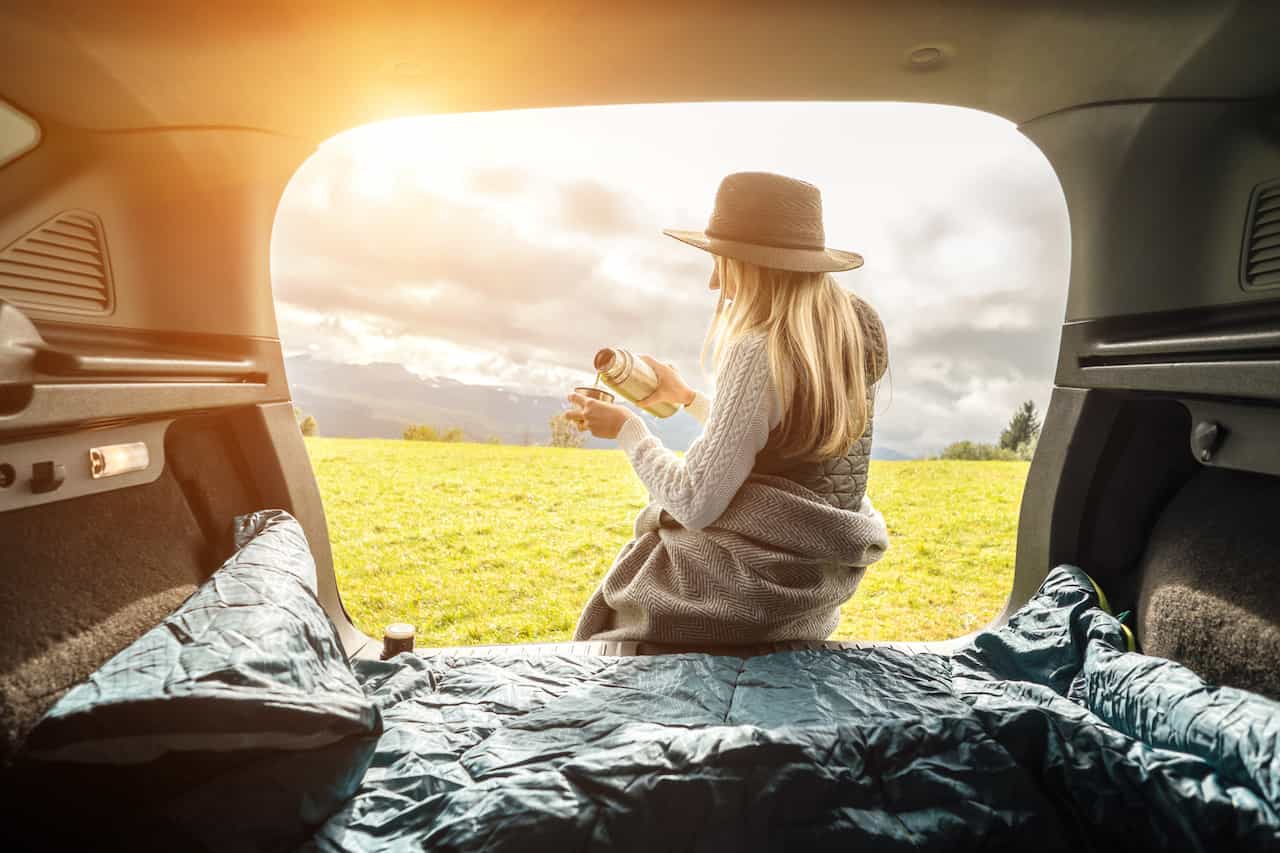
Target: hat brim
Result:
[[795, 260]]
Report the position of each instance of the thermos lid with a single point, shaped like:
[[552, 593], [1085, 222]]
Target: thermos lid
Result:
[[399, 631]]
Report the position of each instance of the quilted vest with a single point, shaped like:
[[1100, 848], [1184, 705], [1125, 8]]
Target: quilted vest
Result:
[[841, 481]]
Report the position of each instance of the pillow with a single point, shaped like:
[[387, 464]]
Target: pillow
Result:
[[235, 723]]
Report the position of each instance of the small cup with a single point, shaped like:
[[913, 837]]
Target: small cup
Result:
[[594, 393], [396, 639]]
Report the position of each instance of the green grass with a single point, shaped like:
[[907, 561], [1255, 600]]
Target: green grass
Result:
[[477, 543]]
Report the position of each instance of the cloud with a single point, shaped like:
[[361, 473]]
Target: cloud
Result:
[[498, 182], [592, 208], [973, 298], [419, 266]]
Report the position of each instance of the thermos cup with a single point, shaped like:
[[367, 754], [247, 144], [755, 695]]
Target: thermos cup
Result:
[[594, 393], [396, 639], [631, 377]]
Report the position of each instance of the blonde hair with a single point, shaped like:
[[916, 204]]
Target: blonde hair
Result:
[[817, 354]]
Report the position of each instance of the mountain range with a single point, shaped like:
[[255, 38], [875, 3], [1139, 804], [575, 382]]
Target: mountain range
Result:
[[379, 400]]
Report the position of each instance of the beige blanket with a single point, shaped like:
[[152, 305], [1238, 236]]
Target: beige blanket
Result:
[[776, 565]]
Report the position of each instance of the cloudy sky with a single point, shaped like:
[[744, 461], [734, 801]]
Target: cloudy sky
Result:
[[505, 248]]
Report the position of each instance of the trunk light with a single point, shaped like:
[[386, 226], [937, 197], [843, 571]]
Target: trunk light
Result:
[[118, 459]]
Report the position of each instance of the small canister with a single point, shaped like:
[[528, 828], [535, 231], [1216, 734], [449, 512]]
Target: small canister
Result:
[[396, 639], [631, 377]]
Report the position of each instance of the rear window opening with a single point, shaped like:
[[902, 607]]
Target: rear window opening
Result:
[[442, 282]]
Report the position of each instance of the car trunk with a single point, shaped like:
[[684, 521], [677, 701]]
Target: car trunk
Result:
[[1155, 472]]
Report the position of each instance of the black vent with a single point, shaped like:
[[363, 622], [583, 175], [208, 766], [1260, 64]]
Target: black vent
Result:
[[60, 266], [1260, 261]]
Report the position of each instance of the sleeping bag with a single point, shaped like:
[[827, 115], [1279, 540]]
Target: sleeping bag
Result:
[[1046, 734]]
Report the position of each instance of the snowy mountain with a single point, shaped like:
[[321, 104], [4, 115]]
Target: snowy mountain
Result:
[[379, 400]]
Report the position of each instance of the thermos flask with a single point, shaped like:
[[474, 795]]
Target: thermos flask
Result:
[[631, 377]]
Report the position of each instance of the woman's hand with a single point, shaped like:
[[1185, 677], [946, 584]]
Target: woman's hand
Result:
[[671, 388], [603, 419]]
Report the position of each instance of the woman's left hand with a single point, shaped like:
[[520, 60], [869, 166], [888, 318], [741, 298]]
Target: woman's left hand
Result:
[[603, 419]]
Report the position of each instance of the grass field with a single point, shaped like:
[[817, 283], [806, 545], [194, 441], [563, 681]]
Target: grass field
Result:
[[477, 543]]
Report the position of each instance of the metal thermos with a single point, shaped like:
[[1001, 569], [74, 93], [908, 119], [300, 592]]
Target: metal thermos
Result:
[[631, 377]]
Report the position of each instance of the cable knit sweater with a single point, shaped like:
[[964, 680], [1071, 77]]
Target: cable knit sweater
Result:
[[695, 490]]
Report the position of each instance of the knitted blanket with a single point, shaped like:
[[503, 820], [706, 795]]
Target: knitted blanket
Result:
[[776, 565]]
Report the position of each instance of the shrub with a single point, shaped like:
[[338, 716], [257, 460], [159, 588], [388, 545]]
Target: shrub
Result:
[[420, 432], [564, 433], [977, 452], [306, 424], [426, 432]]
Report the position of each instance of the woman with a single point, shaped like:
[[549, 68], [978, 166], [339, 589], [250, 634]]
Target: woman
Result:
[[763, 529]]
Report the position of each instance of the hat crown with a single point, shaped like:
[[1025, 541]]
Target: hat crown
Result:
[[768, 210]]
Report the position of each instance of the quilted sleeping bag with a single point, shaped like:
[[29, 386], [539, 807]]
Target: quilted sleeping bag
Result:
[[1044, 735], [237, 724]]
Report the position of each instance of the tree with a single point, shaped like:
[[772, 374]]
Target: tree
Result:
[[308, 425], [453, 434], [420, 432], [564, 432], [1023, 428]]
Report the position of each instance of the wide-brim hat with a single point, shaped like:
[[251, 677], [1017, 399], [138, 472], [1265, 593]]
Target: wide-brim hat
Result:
[[771, 221]]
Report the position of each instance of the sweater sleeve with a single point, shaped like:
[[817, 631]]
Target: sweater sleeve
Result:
[[697, 488], [700, 408]]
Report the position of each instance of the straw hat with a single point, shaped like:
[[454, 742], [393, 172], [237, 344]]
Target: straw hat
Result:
[[771, 221]]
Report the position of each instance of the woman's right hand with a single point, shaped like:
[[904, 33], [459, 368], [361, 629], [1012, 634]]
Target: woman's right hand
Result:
[[671, 388]]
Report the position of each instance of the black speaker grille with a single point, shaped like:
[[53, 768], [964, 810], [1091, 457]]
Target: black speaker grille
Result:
[[1260, 259], [59, 266]]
